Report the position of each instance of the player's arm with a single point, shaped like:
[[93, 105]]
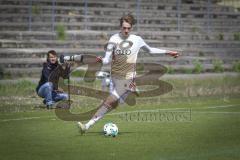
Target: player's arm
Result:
[[109, 48], [106, 59], [153, 50]]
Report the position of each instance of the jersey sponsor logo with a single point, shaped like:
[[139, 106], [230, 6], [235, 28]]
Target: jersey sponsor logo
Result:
[[123, 52], [123, 47]]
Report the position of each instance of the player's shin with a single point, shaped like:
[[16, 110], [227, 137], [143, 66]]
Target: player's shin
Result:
[[98, 115], [110, 103]]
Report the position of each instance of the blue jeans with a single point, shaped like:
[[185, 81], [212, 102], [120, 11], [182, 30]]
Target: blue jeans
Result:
[[50, 96]]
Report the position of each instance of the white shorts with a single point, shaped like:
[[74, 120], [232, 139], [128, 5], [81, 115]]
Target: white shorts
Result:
[[121, 88]]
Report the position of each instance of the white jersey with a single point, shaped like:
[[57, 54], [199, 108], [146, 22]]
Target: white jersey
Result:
[[124, 52]]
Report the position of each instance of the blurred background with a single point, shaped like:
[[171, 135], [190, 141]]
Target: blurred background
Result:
[[206, 32]]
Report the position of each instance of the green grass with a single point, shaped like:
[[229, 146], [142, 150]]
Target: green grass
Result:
[[21, 96], [210, 134], [199, 119], [23, 88]]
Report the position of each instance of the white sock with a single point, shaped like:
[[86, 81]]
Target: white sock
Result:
[[90, 123], [98, 115]]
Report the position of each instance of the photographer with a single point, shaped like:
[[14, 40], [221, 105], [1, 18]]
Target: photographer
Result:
[[48, 84]]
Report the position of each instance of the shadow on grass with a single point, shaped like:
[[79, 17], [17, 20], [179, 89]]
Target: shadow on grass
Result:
[[94, 133]]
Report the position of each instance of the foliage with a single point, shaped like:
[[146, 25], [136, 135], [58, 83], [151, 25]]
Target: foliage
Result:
[[198, 67], [201, 54], [188, 70], [61, 32], [1, 72], [220, 37], [170, 70], [218, 66], [236, 66], [236, 36], [36, 9]]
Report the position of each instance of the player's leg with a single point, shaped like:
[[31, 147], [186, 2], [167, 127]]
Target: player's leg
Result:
[[127, 91], [117, 91], [120, 91], [109, 104]]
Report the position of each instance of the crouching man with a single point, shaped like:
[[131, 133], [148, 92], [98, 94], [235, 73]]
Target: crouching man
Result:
[[47, 88]]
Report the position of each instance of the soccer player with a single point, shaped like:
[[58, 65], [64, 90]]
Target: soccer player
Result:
[[122, 51], [47, 89]]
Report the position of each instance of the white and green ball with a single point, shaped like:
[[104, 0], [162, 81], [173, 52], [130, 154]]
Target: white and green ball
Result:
[[110, 129]]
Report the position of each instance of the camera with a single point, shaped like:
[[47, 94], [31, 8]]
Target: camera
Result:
[[74, 58]]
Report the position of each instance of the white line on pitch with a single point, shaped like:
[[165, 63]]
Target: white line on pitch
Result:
[[216, 112], [171, 109], [226, 106], [153, 110], [26, 118]]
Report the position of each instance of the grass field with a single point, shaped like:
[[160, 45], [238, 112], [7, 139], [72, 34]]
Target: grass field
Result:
[[173, 128]]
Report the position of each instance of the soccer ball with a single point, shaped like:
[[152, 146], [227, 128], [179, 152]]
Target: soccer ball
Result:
[[110, 129]]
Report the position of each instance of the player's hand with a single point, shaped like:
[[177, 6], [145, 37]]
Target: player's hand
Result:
[[173, 54], [99, 59]]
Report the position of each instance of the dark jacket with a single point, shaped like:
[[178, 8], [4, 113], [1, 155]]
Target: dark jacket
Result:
[[54, 71]]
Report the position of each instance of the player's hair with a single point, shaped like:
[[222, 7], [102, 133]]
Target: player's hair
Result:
[[127, 18]]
